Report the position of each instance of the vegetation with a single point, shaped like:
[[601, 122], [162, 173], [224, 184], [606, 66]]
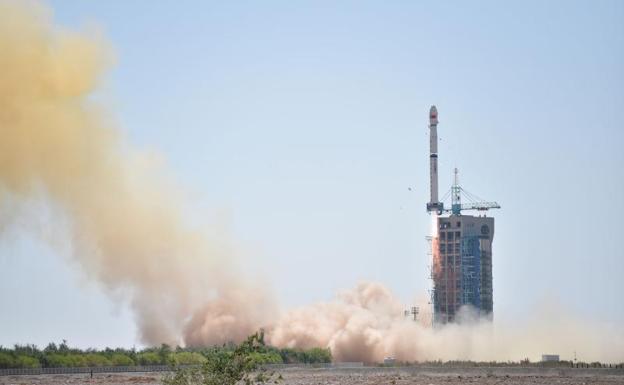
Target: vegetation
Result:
[[61, 355], [229, 367], [312, 356], [236, 360]]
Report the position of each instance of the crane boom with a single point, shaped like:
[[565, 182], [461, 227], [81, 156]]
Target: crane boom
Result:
[[474, 202], [480, 206]]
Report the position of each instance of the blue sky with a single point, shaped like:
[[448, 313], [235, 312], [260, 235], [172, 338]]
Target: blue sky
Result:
[[305, 123]]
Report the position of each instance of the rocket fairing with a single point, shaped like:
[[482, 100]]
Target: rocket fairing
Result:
[[433, 204]]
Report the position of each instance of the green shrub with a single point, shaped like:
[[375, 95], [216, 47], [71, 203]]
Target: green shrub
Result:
[[119, 359], [56, 361], [227, 367], [266, 358], [311, 356], [76, 360], [26, 362], [188, 358], [318, 355], [96, 359], [6, 361], [148, 358]]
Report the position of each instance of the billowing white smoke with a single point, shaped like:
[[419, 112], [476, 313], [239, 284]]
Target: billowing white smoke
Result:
[[356, 326], [367, 324], [125, 221]]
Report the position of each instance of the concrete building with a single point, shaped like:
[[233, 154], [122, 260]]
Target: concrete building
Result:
[[462, 266], [550, 358]]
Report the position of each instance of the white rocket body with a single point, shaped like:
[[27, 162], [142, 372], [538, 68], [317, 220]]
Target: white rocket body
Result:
[[433, 204]]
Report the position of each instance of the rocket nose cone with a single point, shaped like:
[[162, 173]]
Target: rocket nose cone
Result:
[[433, 115]]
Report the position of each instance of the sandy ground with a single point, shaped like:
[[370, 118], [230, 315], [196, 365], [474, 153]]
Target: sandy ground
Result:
[[356, 376]]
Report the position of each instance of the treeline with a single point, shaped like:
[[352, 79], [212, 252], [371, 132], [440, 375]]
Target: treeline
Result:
[[61, 355]]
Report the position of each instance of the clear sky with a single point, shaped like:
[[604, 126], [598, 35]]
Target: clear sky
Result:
[[305, 123]]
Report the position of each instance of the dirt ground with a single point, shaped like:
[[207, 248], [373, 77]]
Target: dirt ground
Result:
[[365, 376]]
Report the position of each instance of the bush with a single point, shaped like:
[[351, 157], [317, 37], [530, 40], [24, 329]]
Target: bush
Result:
[[65, 360], [96, 359], [227, 367], [318, 356], [26, 362], [56, 361], [291, 356], [59, 361], [312, 356], [188, 358], [266, 358], [6, 361], [148, 358], [119, 359], [76, 360]]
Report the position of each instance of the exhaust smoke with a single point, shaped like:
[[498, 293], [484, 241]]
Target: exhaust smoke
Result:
[[125, 221]]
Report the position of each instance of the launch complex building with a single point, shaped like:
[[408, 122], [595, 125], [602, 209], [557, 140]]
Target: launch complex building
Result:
[[461, 245]]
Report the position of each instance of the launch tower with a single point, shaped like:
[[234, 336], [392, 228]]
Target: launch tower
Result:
[[461, 245]]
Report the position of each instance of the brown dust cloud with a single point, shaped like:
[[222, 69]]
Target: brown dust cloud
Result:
[[127, 228]]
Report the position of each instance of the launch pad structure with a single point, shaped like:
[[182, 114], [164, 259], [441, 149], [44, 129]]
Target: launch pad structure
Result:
[[461, 245]]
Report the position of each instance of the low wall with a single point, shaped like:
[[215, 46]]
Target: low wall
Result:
[[156, 368], [356, 367]]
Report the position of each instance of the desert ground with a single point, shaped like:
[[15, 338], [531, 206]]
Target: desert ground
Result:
[[365, 376]]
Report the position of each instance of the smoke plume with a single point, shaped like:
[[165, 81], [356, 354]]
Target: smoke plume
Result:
[[367, 324], [125, 221], [128, 232]]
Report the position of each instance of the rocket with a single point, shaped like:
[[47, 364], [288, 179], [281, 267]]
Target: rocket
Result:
[[433, 204]]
